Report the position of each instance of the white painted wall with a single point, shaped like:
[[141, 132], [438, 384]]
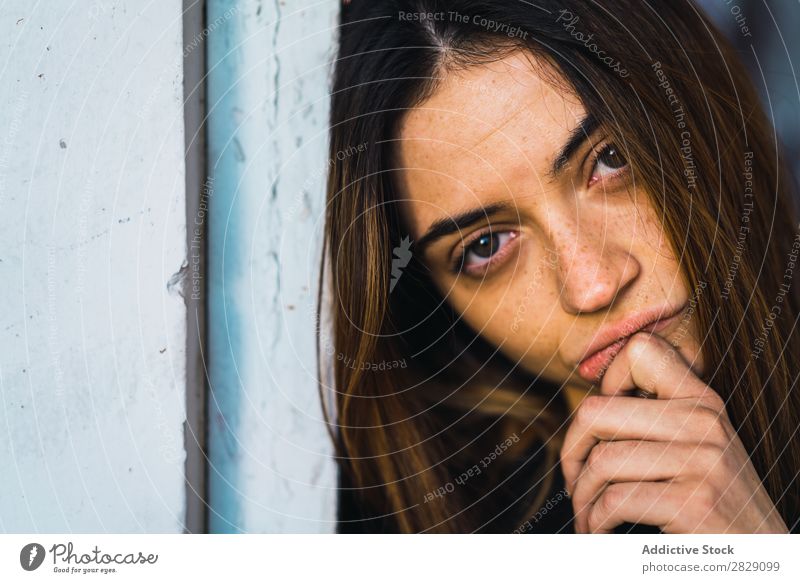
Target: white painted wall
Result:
[[92, 228]]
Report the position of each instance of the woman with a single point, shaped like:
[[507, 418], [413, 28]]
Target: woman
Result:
[[558, 208]]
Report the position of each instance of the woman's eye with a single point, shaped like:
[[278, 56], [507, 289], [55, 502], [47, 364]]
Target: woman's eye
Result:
[[483, 250], [609, 161]]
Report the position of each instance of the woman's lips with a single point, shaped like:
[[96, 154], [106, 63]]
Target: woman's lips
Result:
[[593, 367]]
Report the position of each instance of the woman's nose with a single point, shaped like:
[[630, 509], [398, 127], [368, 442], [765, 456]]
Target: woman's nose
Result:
[[592, 273]]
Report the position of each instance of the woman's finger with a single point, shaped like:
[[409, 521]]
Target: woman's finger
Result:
[[650, 363], [600, 418], [654, 503], [637, 461]]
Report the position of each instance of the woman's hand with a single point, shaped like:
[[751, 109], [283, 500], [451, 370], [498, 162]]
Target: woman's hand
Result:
[[673, 462]]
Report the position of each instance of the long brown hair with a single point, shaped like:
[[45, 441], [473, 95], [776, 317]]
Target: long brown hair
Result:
[[419, 397]]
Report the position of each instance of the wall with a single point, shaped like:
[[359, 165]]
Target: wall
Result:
[[92, 237], [270, 468]]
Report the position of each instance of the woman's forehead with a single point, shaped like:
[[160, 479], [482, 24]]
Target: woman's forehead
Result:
[[472, 103], [484, 131]]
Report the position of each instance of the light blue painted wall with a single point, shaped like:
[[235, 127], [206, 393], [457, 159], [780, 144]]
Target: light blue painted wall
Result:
[[270, 468]]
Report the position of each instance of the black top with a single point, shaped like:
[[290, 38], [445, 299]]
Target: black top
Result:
[[555, 516]]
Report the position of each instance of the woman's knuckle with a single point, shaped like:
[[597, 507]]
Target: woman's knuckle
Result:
[[712, 400], [597, 456], [639, 345], [705, 498], [589, 409], [611, 499], [707, 455], [594, 519], [710, 424]]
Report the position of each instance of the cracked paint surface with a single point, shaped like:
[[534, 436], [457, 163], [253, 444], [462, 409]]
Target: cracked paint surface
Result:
[[270, 457]]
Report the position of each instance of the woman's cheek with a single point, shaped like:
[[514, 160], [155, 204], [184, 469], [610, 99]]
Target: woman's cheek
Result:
[[530, 335], [516, 308]]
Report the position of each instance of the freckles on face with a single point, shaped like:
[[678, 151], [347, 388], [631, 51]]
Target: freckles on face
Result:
[[524, 211]]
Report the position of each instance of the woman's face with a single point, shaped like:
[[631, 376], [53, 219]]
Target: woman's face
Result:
[[532, 228]]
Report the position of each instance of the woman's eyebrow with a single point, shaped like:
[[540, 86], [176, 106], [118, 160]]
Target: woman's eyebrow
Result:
[[576, 138], [450, 225]]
